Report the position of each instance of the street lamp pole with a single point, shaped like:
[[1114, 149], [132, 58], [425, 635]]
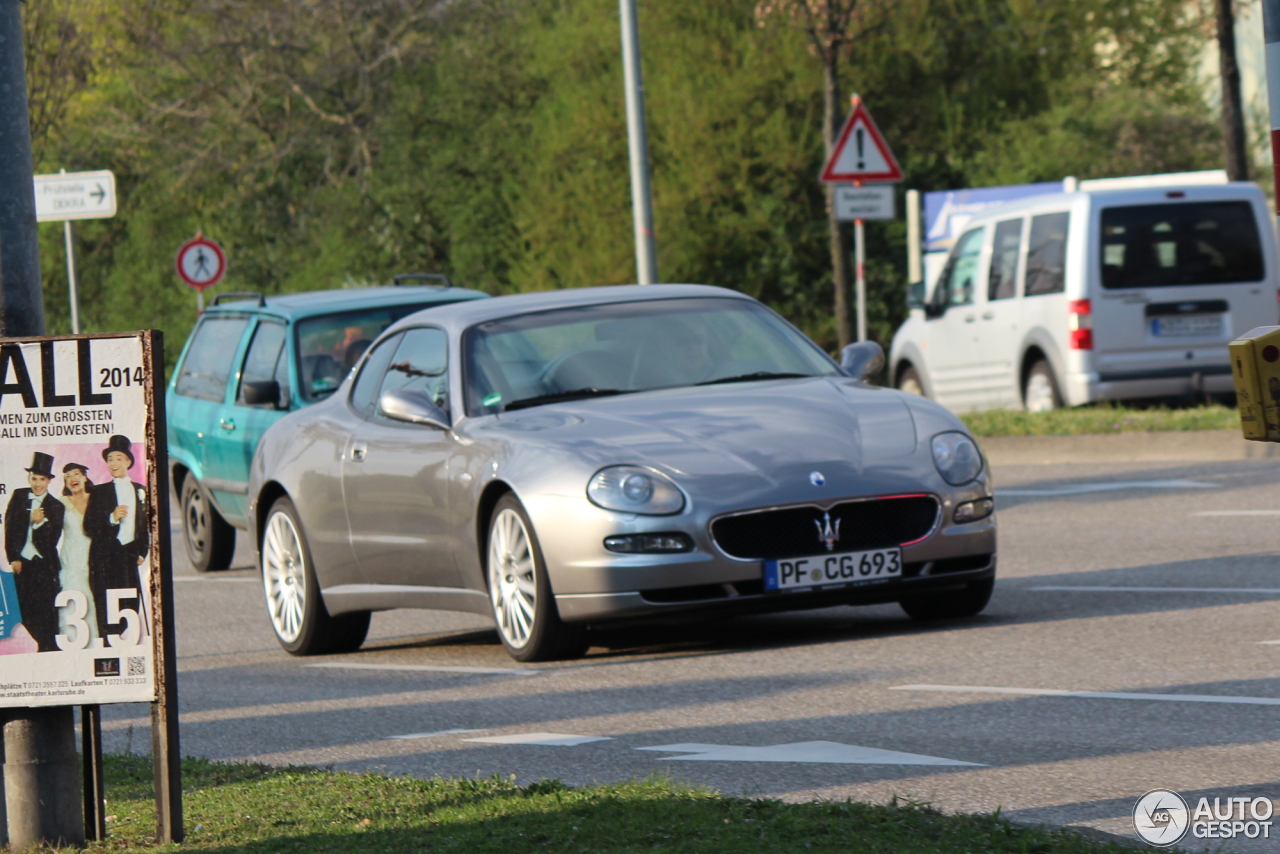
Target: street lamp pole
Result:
[[638, 146]]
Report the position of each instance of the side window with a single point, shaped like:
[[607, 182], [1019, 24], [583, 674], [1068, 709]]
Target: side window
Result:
[[207, 368], [955, 285], [1002, 282], [1047, 254], [419, 364], [261, 364], [365, 390]]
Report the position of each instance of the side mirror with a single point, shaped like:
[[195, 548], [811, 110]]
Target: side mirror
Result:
[[933, 310], [263, 391], [413, 407], [862, 360], [915, 295]]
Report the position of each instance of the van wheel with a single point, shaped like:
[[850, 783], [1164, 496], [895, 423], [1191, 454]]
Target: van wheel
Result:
[[210, 539], [1040, 393], [909, 381]]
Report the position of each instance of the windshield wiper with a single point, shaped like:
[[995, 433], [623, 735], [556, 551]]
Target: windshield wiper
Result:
[[560, 396], [756, 375]]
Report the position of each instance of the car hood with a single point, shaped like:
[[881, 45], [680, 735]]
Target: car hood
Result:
[[758, 437]]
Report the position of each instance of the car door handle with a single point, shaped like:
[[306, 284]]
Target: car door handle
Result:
[[970, 318], [988, 315], [358, 450], [228, 424]]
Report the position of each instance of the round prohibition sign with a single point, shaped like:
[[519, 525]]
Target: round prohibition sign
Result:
[[200, 262]]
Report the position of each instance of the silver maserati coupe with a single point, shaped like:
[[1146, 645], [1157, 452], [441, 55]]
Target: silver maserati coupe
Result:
[[567, 459]]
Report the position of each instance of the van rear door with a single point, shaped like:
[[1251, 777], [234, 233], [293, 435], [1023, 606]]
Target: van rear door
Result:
[[1178, 280]]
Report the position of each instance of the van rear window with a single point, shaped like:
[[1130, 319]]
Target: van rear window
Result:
[[1193, 243]]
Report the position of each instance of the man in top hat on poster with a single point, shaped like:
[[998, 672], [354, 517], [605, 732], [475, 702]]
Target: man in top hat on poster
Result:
[[116, 523], [32, 528]]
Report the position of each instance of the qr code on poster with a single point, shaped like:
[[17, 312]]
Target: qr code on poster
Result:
[[138, 666]]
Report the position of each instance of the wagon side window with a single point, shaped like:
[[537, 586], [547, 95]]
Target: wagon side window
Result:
[[1047, 254], [1002, 282], [207, 368]]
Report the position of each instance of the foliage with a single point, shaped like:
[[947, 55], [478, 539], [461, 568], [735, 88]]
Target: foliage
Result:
[[1101, 418], [333, 143], [250, 809]]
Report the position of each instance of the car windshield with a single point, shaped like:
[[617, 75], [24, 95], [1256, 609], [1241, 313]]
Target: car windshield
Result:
[[627, 347]]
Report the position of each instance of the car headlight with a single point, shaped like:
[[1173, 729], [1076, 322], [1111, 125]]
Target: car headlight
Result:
[[956, 457], [633, 489]]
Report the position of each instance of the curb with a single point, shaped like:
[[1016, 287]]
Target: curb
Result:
[[1173, 446]]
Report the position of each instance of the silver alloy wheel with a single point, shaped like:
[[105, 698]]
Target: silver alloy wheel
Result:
[[195, 518], [513, 587], [1039, 394], [284, 576]]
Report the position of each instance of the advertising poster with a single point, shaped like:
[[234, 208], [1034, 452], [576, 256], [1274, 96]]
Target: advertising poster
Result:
[[76, 507]]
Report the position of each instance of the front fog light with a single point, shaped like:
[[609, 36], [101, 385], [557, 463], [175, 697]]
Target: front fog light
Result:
[[648, 543], [972, 511], [956, 457], [635, 489]]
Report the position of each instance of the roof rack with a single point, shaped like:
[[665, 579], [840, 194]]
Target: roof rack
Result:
[[233, 295], [413, 278]]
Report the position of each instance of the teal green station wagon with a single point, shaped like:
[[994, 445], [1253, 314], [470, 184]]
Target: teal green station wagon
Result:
[[251, 360]]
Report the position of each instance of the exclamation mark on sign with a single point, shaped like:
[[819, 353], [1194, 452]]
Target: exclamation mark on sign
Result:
[[861, 163]]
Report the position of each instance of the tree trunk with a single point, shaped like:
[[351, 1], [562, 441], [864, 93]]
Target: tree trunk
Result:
[[839, 248], [1233, 135]]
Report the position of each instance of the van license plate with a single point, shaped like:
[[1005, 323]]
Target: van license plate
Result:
[[1187, 326], [847, 568]]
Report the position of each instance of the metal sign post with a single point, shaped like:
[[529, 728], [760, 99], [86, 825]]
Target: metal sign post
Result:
[[861, 156], [69, 196], [86, 574]]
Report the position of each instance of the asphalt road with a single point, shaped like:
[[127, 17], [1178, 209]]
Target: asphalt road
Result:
[[1113, 579]]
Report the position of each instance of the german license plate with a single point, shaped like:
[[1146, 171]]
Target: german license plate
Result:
[[847, 568], [1187, 326]]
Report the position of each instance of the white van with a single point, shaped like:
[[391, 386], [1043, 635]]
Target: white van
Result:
[[1068, 298]]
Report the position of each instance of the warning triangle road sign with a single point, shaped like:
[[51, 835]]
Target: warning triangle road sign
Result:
[[860, 154]]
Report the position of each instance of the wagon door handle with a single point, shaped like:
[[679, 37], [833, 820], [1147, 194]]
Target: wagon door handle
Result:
[[988, 315], [970, 318], [228, 424], [358, 450]]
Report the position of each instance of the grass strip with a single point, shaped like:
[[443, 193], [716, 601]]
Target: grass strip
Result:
[[1102, 418], [251, 809]]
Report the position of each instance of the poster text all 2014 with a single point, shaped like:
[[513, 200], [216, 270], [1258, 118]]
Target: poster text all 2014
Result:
[[15, 379]]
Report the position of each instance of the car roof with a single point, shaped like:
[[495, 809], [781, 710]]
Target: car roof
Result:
[[311, 303], [459, 316], [1236, 190]]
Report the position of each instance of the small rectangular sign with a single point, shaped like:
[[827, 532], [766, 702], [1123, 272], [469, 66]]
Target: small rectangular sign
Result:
[[79, 575], [75, 195], [874, 201]]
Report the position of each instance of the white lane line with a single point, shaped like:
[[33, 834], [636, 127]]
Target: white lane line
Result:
[[1237, 513], [1095, 695], [1108, 486], [547, 739], [425, 668], [1242, 591], [828, 752], [202, 580], [438, 732]]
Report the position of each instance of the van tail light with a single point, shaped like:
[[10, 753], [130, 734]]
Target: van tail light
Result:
[[1080, 324]]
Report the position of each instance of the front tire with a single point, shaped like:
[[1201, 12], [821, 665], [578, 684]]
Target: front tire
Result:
[[520, 592], [302, 624], [951, 605], [210, 539]]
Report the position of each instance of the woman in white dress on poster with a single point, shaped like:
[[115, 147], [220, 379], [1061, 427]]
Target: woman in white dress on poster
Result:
[[73, 551]]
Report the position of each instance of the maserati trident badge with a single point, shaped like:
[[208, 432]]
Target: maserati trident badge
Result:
[[827, 534]]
